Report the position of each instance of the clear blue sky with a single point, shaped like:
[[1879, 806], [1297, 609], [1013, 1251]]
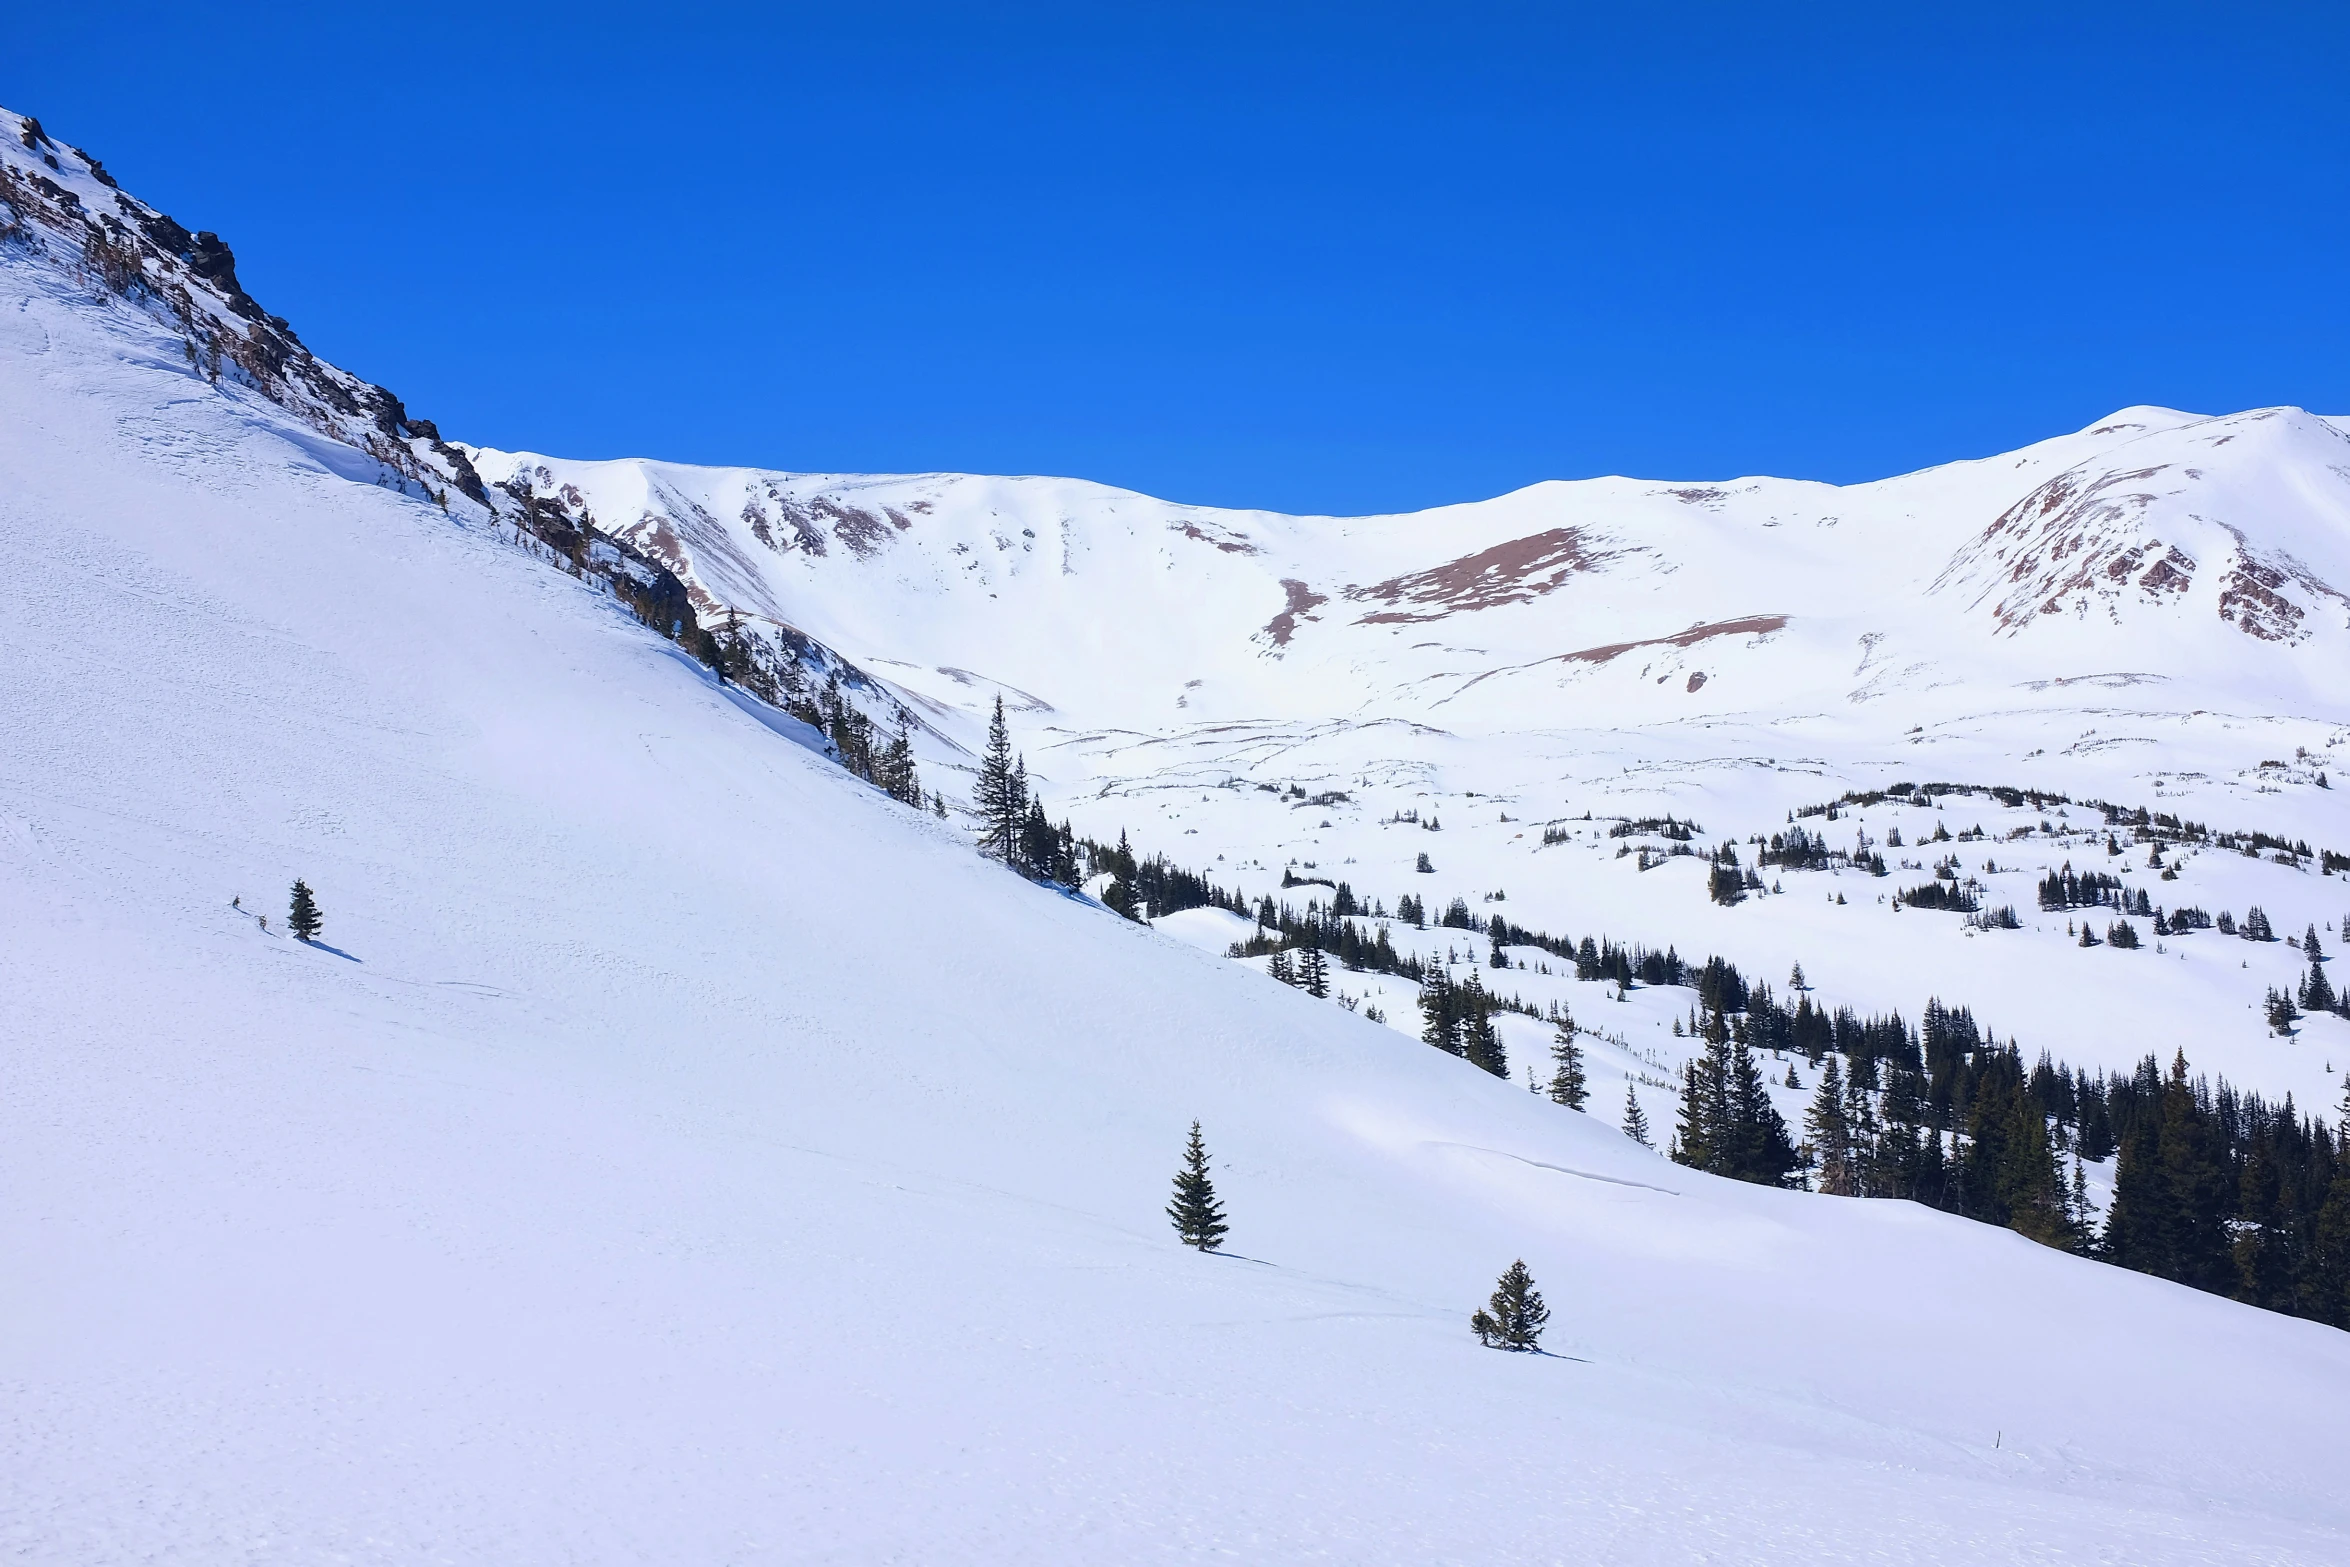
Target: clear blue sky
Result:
[[1345, 259]]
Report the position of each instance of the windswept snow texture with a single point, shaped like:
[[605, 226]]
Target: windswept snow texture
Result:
[[675, 1152]]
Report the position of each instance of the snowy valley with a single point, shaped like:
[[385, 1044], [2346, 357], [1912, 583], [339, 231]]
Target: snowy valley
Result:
[[674, 1148]]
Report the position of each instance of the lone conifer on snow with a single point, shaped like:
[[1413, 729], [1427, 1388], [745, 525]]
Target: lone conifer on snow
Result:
[[303, 919], [1000, 796], [1635, 1119], [1514, 1317], [1199, 1219], [1566, 1078]]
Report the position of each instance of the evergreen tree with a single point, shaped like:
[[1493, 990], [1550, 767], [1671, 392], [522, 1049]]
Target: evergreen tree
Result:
[[1830, 1133], [1566, 1078], [1198, 1217], [998, 801], [1692, 1140], [2031, 1181], [1480, 1040], [1439, 1018], [2325, 1288], [2282, 1014], [1281, 968], [2134, 1232], [1860, 1124], [1039, 843], [1313, 975], [896, 768], [2317, 992], [303, 919], [2262, 1244], [1766, 1153], [1898, 1166], [1514, 1318], [2082, 1214], [2196, 1184], [1635, 1119], [1015, 810]]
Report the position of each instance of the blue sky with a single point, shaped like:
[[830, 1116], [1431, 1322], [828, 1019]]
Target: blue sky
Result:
[[1343, 259]]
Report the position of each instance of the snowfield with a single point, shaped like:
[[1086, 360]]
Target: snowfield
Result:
[[674, 1151]]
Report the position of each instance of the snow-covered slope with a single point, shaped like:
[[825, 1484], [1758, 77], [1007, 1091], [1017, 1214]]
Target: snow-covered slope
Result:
[[677, 1152], [2145, 613]]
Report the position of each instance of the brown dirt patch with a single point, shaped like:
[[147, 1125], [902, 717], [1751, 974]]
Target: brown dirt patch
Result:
[[1301, 599], [1510, 573]]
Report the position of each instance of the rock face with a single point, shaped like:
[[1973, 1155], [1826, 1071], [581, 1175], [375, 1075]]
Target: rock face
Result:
[[63, 204], [2223, 526]]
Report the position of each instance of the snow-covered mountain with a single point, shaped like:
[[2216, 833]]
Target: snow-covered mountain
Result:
[[2199, 556], [2145, 613], [675, 1151]]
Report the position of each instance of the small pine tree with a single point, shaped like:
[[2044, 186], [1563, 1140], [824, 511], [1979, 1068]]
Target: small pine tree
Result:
[[1566, 1078], [1635, 1119], [1513, 1319], [303, 919], [1198, 1217]]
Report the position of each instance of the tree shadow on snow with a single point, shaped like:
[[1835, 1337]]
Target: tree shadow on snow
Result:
[[320, 946]]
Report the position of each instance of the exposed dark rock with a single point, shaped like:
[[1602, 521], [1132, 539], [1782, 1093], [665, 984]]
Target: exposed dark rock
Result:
[[167, 235], [214, 262]]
